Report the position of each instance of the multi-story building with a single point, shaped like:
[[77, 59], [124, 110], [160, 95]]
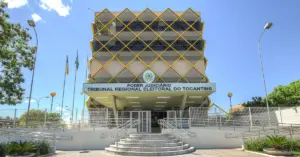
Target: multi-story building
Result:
[[148, 61]]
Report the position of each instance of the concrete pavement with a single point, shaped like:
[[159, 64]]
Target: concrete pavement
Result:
[[197, 153]]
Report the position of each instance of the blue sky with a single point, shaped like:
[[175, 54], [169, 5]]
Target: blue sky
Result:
[[232, 29]]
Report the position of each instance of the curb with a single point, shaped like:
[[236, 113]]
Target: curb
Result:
[[261, 153], [47, 155]]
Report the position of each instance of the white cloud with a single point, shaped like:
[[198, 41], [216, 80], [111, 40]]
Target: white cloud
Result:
[[57, 5], [32, 101], [36, 17], [16, 3], [59, 109]]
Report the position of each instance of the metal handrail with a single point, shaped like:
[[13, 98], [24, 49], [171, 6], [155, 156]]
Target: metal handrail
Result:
[[123, 128], [166, 124], [288, 129], [196, 122]]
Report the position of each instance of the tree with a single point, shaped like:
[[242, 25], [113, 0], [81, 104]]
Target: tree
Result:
[[37, 117], [15, 54], [288, 95], [256, 102], [281, 96]]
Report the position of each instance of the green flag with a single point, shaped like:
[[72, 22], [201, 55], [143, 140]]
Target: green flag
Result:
[[77, 62], [67, 66]]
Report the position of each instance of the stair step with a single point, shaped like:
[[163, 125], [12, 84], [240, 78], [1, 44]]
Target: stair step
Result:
[[149, 144], [152, 137], [149, 135], [148, 141], [147, 149], [162, 153]]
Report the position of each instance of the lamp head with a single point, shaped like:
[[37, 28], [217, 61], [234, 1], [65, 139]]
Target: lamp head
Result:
[[52, 94], [268, 25], [31, 23], [229, 94]]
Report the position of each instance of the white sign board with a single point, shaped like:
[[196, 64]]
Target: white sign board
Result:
[[135, 87]]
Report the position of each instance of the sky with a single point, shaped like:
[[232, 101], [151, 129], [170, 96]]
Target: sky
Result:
[[232, 29]]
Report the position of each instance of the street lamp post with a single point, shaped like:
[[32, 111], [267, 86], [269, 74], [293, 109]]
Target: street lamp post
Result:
[[230, 95], [32, 24], [52, 94], [38, 100], [267, 26]]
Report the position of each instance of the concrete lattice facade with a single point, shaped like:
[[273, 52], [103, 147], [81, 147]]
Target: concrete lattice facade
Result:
[[127, 43]]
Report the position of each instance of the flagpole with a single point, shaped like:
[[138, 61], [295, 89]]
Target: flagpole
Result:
[[83, 107], [63, 95], [74, 96], [76, 63]]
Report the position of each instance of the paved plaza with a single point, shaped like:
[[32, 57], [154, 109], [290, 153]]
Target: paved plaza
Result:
[[198, 153]]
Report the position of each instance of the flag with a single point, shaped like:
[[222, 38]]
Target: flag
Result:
[[67, 66], [77, 62]]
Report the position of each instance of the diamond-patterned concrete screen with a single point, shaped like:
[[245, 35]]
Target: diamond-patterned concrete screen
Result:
[[127, 43]]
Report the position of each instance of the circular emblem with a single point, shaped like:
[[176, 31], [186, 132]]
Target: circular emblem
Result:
[[148, 76]]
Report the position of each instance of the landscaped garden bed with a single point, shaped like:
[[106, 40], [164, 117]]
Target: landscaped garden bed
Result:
[[25, 149], [274, 145]]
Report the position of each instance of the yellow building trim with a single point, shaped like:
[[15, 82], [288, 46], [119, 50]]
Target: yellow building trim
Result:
[[138, 13], [181, 56]]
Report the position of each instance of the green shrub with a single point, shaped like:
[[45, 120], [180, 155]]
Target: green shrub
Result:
[[277, 141], [43, 147], [291, 145], [21, 148], [257, 144], [2, 150]]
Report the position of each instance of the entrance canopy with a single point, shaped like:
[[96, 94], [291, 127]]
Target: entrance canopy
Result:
[[149, 95]]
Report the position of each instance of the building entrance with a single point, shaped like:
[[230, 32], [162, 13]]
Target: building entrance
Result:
[[155, 116], [144, 117]]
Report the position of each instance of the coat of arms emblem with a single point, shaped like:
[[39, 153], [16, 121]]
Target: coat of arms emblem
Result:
[[148, 76]]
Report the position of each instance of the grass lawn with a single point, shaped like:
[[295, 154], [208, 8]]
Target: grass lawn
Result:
[[296, 153]]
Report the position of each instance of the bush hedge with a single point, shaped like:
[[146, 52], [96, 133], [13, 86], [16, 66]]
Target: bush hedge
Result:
[[257, 144], [276, 142], [25, 148]]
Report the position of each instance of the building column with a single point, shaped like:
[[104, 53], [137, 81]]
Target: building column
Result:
[[183, 102], [113, 99]]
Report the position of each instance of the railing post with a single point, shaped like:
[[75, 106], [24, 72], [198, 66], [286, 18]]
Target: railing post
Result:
[[78, 125], [45, 118], [15, 117], [216, 117], [280, 115], [291, 132], [107, 117], [76, 115], [130, 119], [54, 143], [220, 116], [243, 146], [250, 116], [233, 124]]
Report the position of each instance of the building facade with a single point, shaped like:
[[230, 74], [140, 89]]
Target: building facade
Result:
[[147, 61]]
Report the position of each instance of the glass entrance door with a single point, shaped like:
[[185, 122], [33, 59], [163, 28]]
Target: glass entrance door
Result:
[[144, 117]]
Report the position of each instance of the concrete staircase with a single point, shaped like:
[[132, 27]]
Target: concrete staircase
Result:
[[150, 145]]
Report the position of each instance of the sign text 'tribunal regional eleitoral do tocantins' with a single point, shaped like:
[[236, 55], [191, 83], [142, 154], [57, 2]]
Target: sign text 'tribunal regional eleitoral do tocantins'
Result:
[[123, 87]]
